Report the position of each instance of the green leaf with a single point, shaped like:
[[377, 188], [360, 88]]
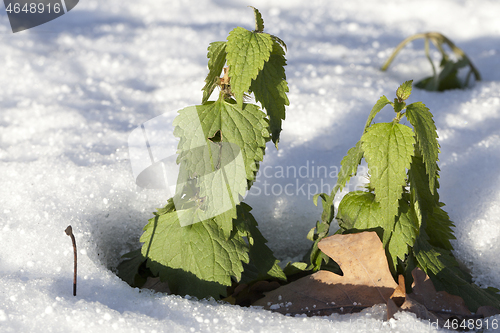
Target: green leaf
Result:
[[259, 22], [247, 52], [320, 231], [263, 264], [196, 259], [423, 198], [270, 88], [440, 228], [293, 268], [128, 270], [359, 211], [245, 127], [425, 131], [398, 106], [447, 79], [350, 162], [431, 216], [328, 209], [439, 266], [279, 41], [404, 91], [217, 59], [219, 150], [381, 103], [388, 148], [404, 234], [349, 165]]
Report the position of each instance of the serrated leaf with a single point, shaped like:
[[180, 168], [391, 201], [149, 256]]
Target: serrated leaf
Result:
[[247, 52], [420, 118], [259, 22], [398, 106], [320, 231], [169, 207], [381, 103], [217, 59], [279, 41], [328, 209], [388, 148], [219, 169], [349, 165], [404, 234], [432, 261], [439, 227], [197, 259], [350, 162], [404, 90], [427, 206], [422, 197], [358, 211], [297, 267], [270, 88], [129, 268], [245, 127]]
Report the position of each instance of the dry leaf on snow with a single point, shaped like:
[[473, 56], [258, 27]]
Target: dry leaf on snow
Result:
[[367, 280], [439, 307], [423, 291]]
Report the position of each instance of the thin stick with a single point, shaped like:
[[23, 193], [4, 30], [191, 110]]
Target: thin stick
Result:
[[69, 232]]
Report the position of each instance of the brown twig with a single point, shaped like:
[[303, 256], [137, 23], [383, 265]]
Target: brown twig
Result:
[[69, 232]]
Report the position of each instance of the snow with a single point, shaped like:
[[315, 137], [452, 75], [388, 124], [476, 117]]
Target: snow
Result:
[[74, 88]]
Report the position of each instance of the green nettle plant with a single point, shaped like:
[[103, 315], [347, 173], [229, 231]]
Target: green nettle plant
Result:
[[401, 202], [447, 77], [196, 252]]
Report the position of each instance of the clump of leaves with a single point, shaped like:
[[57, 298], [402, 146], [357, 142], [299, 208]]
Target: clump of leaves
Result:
[[193, 244], [401, 203], [447, 77]]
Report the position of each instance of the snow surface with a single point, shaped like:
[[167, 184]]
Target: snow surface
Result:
[[74, 88]]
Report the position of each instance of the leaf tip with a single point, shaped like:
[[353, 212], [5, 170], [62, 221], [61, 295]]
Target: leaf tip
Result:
[[404, 91], [259, 22]]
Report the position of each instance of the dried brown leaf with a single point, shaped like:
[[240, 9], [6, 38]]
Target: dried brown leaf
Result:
[[245, 295], [399, 294], [425, 293], [487, 311], [428, 304], [156, 285], [367, 280]]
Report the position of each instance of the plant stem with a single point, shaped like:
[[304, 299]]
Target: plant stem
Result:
[[69, 232], [435, 76], [399, 47]]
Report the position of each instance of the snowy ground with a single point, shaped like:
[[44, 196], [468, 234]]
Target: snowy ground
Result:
[[74, 88]]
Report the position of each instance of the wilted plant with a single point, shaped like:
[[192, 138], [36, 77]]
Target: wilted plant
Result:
[[447, 77]]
